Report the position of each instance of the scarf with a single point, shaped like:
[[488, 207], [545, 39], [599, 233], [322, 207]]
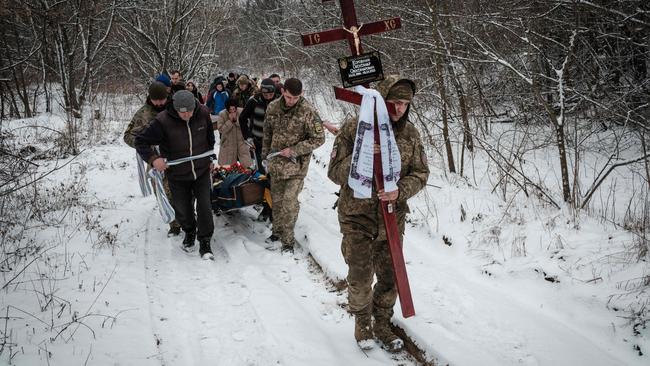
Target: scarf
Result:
[[164, 207], [361, 169], [145, 188]]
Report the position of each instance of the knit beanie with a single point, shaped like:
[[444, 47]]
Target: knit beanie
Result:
[[268, 86], [183, 101], [157, 91]]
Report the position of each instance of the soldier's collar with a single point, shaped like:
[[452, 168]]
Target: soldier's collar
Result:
[[399, 125], [285, 108]]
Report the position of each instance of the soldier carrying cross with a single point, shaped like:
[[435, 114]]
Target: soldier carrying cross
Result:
[[378, 172], [364, 245]]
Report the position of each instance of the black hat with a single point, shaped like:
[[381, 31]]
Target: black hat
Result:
[[268, 86], [157, 91], [178, 86]]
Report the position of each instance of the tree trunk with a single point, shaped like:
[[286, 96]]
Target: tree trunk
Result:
[[561, 147], [439, 71], [560, 140]]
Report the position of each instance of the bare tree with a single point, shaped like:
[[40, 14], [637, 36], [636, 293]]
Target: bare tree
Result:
[[179, 34]]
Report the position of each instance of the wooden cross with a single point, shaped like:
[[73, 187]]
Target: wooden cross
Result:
[[351, 31]]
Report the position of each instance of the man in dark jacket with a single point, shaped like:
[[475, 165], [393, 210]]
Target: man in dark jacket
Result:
[[251, 122], [278, 84], [251, 119], [231, 84], [184, 130]]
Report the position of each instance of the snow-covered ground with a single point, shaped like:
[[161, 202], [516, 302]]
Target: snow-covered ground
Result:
[[505, 283]]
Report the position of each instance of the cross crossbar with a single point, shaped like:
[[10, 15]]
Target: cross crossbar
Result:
[[355, 98], [313, 39]]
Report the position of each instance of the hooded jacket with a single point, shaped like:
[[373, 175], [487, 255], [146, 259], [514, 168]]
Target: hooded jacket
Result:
[[218, 100], [365, 214], [242, 96]]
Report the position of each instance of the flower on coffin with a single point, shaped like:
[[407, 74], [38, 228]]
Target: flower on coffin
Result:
[[223, 171]]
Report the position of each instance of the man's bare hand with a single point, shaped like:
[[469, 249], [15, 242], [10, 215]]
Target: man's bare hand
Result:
[[331, 128], [287, 153], [388, 196], [376, 149], [160, 164]]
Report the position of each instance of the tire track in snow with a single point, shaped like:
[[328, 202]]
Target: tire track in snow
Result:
[[173, 321], [200, 309], [150, 296]]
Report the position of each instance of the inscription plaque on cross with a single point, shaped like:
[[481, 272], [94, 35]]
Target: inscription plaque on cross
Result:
[[352, 32]]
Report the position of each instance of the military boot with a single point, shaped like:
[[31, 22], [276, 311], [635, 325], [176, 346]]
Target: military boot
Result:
[[383, 331], [272, 239], [363, 331], [287, 249], [288, 245]]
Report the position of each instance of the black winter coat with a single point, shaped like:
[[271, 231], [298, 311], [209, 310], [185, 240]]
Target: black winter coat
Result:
[[251, 119], [179, 139]]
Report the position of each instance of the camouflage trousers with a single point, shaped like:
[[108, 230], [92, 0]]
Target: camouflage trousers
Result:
[[366, 258], [284, 194]]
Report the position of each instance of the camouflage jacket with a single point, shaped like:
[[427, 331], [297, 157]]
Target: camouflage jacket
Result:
[[299, 128], [139, 122], [365, 214]]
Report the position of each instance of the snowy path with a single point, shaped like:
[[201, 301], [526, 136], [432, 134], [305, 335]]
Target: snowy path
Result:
[[482, 300], [251, 306]]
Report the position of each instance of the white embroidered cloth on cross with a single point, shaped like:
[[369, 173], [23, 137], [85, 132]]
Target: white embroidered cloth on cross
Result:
[[361, 169]]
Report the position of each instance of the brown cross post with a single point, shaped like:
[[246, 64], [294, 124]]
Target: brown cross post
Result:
[[352, 32]]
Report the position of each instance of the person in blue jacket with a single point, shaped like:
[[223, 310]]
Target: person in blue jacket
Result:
[[217, 99]]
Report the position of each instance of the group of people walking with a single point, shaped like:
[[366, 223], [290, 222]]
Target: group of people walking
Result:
[[276, 122]]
